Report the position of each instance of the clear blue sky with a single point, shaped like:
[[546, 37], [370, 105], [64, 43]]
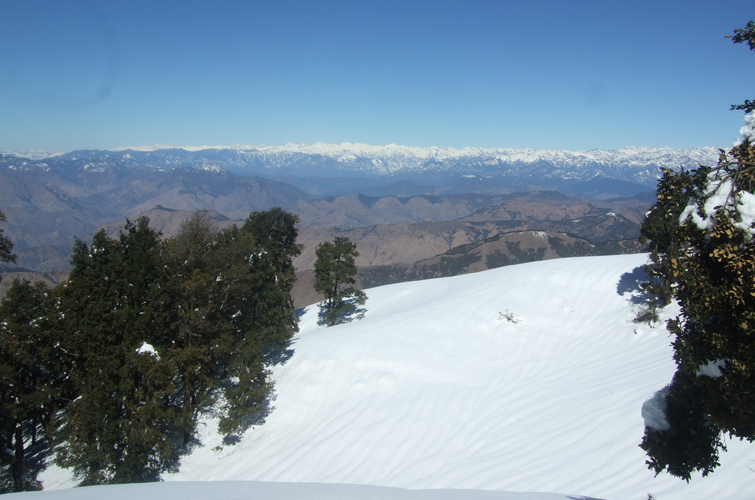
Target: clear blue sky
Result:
[[541, 74]]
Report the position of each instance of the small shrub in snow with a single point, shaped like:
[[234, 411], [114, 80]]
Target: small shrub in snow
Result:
[[508, 316], [648, 313]]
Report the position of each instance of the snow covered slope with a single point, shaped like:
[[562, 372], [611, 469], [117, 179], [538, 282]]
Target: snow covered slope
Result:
[[436, 389]]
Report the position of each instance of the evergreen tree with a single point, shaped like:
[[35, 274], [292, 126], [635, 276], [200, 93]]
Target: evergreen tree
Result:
[[33, 373], [257, 311], [661, 233], [335, 268], [714, 344], [202, 340], [158, 330], [274, 232], [144, 336], [6, 246], [745, 35], [692, 440], [711, 264], [115, 306], [232, 304]]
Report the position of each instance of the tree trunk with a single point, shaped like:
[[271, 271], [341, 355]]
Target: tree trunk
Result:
[[293, 314], [18, 461], [188, 407]]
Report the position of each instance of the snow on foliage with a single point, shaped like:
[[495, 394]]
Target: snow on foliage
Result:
[[720, 196], [654, 411], [146, 348], [711, 369], [748, 130]]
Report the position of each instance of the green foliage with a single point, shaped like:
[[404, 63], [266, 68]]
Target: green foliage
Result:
[[274, 232], [246, 394], [648, 313], [709, 263], [692, 441], [6, 246], [255, 310], [232, 303], [745, 35], [703, 255], [335, 268], [661, 233], [748, 106], [118, 428], [144, 336], [201, 337], [32, 370], [714, 277]]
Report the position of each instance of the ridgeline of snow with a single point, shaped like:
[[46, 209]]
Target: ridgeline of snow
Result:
[[633, 164], [397, 157], [435, 389]]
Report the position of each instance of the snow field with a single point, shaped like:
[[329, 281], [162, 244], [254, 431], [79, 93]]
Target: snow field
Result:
[[433, 390]]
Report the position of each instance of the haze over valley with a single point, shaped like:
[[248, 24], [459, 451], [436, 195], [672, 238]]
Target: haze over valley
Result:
[[422, 202]]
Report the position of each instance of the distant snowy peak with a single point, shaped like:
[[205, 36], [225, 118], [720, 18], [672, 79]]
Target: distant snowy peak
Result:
[[639, 165], [408, 155], [634, 164], [347, 151], [509, 155]]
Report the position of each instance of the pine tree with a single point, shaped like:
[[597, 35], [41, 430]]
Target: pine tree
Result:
[[712, 275], [745, 35], [232, 303], [274, 232], [202, 340], [709, 260], [335, 268], [160, 329], [114, 306], [661, 233], [33, 372], [692, 440], [256, 310], [6, 246]]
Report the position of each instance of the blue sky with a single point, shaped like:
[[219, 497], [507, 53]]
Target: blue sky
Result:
[[527, 74]]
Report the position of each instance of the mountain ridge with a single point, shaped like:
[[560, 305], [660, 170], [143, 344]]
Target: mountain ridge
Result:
[[632, 164]]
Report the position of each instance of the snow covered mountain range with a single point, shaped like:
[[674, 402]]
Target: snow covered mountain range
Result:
[[638, 165]]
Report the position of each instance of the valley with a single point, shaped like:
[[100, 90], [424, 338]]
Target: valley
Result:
[[445, 230]]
